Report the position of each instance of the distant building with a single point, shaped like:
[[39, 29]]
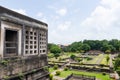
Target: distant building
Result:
[[62, 46], [25, 38]]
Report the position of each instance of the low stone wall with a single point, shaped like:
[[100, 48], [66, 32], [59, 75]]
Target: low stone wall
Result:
[[80, 77], [12, 67], [93, 69]]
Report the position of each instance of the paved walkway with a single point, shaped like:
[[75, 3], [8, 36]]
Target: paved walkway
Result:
[[111, 56], [100, 59]]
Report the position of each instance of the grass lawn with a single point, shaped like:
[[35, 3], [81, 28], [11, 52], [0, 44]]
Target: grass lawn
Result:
[[64, 74], [104, 60], [93, 61]]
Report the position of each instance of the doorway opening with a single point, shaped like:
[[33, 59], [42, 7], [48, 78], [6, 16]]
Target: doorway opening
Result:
[[11, 43]]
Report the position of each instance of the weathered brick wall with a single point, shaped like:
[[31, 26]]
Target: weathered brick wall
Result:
[[16, 66]]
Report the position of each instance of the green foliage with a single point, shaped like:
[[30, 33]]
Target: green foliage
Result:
[[117, 63], [56, 55], [104, 73], [6, 77], [85, 47], [78, 59], [73, 56], [81, 63], [58, 73], [46, 68], [118, 56], [55, 49], [50, 55], [51, 77], [107, 51], [21, 76], [101, 65], [118, 71], [34, 70], [88, 58], [107, 48], [103, 45], [4, 62], [60, 59], [107, 59], [66, 68], [55, 67]]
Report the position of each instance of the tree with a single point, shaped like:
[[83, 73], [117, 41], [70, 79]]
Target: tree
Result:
[[115, 43], [117, 63], [107, 59], [85, 47], [75, 47], [56, 50], [107, 48], [73, 57]]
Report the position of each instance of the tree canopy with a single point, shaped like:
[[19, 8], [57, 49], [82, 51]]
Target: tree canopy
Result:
[[102, 45], [107, 46]]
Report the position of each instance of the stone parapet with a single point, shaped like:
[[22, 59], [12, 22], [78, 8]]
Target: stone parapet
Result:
[[15, 66]]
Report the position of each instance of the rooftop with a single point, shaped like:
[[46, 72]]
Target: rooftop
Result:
[[4, 11]]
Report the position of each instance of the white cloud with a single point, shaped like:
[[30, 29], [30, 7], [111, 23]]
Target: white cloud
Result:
[[40, 14], [42, 17], [21, 11], [104, 21], [62, 12], [64, 26]]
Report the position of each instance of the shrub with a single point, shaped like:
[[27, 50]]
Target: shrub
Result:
[[66, 68], [94, 67], [58, 72], [4, 62], [46, 68], [81, 63], [21, 76], [118, 71], [88, 58], [55, 67], [101, 65], [51, 77], [60, 59], [73, 56], [103, 73]]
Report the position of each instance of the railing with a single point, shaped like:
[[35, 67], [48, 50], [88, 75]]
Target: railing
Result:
[[11, 48]]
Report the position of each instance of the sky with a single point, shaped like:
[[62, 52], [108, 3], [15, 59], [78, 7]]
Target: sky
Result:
[[72, 20]]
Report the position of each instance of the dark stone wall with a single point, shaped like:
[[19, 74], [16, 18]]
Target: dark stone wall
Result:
[[27, 68]]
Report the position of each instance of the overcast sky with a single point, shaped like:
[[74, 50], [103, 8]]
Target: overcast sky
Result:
[[72, 20]]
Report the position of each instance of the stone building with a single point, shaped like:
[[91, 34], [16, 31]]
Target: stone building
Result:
[[23, 47]]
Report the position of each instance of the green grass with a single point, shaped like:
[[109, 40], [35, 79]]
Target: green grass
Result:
[[104, 60], [51, 70], [64, 74], [95, 58]]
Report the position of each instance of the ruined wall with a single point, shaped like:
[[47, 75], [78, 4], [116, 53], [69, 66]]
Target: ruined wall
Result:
[[30, 67]]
